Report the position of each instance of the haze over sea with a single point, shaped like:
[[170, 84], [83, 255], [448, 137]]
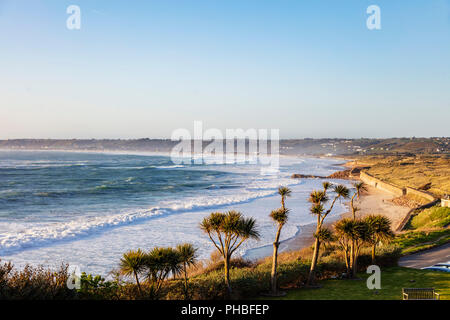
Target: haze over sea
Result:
[[87, 209]]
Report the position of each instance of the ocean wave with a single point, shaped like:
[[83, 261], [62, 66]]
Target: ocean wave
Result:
[[11, 194], [27, 237], [142, 167], [124, 168], [169, 167], [37, 164], [49, 194], [216, 187], [272, 184]]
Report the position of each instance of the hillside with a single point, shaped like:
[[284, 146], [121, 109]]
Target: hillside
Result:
[[348, 147]]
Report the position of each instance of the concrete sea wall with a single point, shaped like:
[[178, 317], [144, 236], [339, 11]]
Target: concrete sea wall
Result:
[[377, 183], [398, 191]]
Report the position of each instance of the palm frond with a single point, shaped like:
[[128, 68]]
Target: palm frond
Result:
[[318, 197], [326, 185], [188, 253], [317, 209], [360, 187], [132, 262], [280, 215], [284, 191], [341, 191]]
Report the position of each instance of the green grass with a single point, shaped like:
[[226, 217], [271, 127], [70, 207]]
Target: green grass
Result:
[[425, 230], [435, 217], [414, 241], [413, 238], [392, 281]]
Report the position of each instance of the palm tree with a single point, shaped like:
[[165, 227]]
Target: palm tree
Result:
[[360, 235], [160, 263], [188, 257], [317, 210], [347, 231], [133, 263], [352, 234], [284, 192], [359, 186], [227, 231], [344, 229], [318, 199], [379, 230], [280, 217]]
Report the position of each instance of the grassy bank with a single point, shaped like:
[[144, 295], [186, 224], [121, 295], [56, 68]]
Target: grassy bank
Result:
[[392, 281], [426, 229]]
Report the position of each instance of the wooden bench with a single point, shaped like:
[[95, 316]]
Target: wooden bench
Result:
[[419, 294]]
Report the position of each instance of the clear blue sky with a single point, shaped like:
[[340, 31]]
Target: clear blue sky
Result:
[[144, 68]]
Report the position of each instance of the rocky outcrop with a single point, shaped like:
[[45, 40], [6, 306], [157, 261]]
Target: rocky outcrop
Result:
[[344, 174], [301, 176]]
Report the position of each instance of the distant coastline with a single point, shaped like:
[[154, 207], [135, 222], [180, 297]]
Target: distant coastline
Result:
[[298, 147]]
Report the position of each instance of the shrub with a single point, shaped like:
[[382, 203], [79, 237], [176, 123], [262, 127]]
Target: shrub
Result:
[[34, 283], [96, 287], [249, 279]]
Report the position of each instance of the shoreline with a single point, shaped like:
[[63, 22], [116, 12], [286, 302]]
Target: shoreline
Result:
[[304, 235]]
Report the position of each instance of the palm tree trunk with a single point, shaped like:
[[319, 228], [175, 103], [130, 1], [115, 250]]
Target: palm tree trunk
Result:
[[273, 276], [373, 252], [353, 207], [352, 258], [227, 274], [355, 264], [352, 248], [347, 262], [186, 297], [137, 282], [311, 277]]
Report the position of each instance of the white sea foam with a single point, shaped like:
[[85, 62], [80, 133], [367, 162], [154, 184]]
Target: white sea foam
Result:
[[170, 167], [26, 237]]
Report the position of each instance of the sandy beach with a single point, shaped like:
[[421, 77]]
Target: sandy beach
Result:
[[376, 201]]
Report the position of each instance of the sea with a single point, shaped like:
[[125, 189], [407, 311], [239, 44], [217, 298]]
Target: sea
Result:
[[86, 209]]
